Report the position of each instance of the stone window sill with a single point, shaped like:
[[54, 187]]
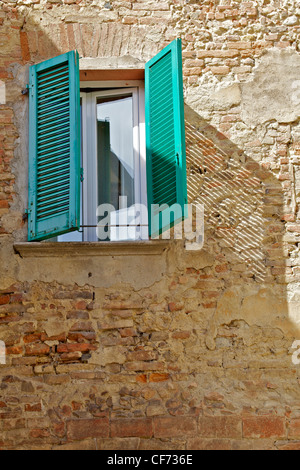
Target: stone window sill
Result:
[[84, 249]]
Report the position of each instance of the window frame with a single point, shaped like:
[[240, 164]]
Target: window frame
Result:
[[89, 147]]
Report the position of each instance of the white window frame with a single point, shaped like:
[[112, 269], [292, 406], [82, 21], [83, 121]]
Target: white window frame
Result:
[[89, 147]]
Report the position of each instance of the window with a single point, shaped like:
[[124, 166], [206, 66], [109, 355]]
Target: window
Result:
[[113, 160], [114, 135], [122, 146]]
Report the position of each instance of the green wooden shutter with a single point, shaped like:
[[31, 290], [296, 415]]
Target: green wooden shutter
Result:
[[165, 140], [54, 147]]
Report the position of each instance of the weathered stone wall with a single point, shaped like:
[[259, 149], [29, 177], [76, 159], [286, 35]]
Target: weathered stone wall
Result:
[[174, 349]]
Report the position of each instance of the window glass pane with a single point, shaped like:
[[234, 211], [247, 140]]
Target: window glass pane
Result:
[[115, 156]]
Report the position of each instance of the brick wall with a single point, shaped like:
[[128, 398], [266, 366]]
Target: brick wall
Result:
[[196, 354]]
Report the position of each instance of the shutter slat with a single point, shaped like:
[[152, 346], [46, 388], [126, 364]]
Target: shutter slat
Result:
[[41, 184], [47, 201], [53, 71], [47, 96], [53, 110], [164, 91], [47, 213], [60, 84], [160, 188], [48, 129], [164, 68], [54, 123], [53, 150], [63, 137], [169, 196], [60, 151], [162, 138], [59, 73], [53, 103], [47, 136], [165, 137], [63, 172], [48, 116], [163, 169], [49, 189], [160, 161], [49, 161], [54, 153]]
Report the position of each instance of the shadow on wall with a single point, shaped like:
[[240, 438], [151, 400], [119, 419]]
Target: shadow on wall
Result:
[[223, 179], [243, 207]]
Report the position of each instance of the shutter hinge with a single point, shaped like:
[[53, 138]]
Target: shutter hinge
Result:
[[25, 91], [81, 175], [25, 215], [177, 157]]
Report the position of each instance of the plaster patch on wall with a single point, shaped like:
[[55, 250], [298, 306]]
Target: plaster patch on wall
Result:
[[212, 95], [273, 93], [111, 63], [258, 306]]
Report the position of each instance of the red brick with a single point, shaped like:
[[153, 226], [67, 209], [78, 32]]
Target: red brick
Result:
[[220, 70], [293, 228], [179, 426], [13, 350], [36, 407], [144, 366], [59, 429], [194, 63], [142, 356], [82, 326], [289, 446], [156, 377], [239, 45], [220, 427], [61, 337], [181, 334], [288, 217], [33, 338], [218, 54], [221, 268], [294, 429], [80, 305], [136, 427], [209, 444], [39, 433], [175, 307], [264, 427], [4, 299], [83, 428], [141, 378], [37, 350], [82, 337], [127, 332], [210, 294], [71, 347], [129, 20], [210, 305], [71, 357]]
